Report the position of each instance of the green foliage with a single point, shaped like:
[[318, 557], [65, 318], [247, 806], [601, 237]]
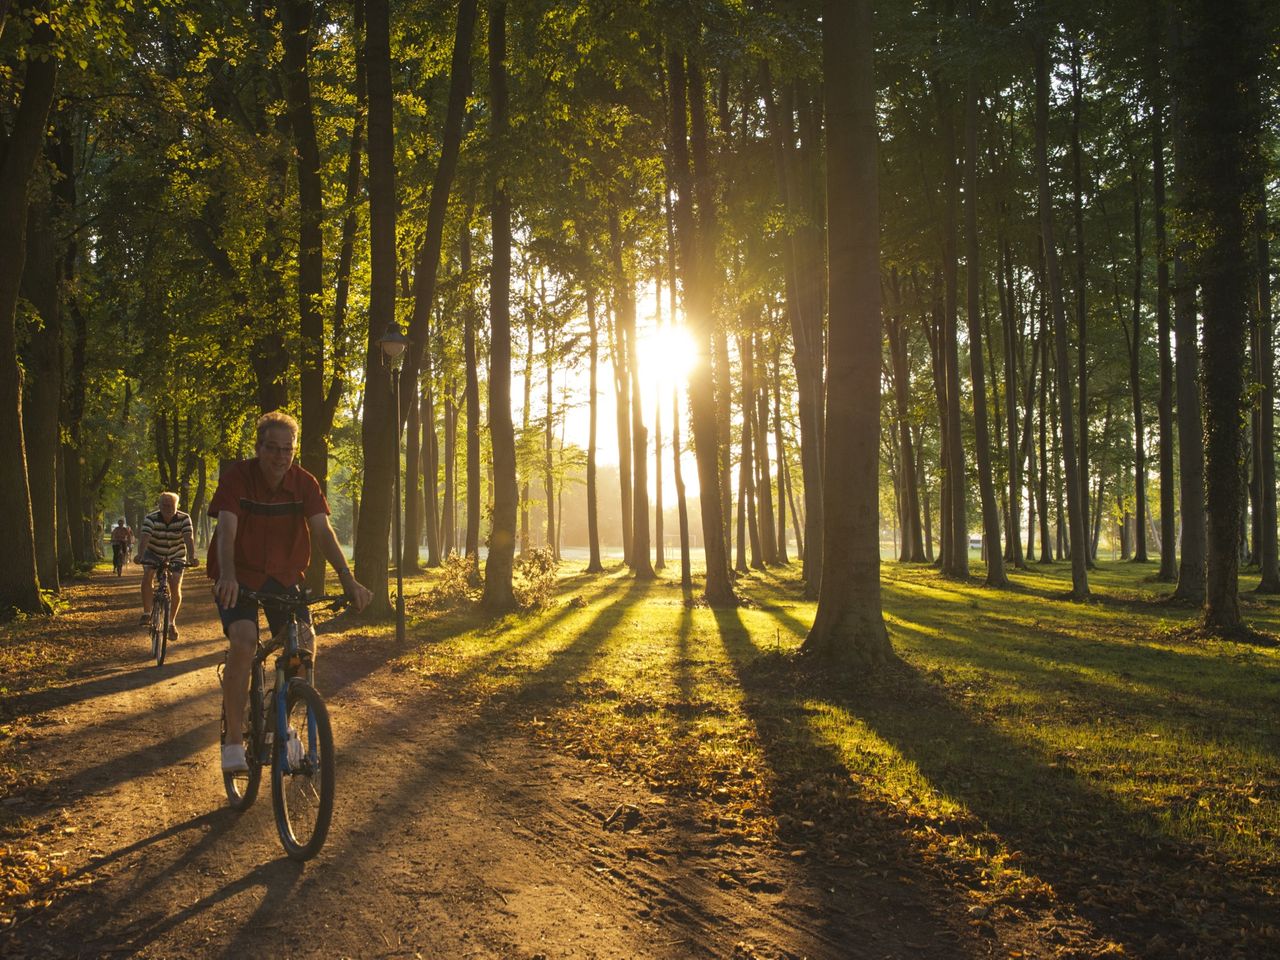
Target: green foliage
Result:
[[535, 577]]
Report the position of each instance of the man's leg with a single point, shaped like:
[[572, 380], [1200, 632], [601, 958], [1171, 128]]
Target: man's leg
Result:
[[175, 593], [243, 637], [148, 581]]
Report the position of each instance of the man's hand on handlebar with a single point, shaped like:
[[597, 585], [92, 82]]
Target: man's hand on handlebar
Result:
[[360, 594]]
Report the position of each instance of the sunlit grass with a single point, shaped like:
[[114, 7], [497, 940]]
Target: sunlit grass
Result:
[[1018, 725]]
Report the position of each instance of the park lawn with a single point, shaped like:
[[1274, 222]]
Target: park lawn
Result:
[[1097, 759]]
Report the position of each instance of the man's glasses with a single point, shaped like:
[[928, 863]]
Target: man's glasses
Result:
[[276, 450]]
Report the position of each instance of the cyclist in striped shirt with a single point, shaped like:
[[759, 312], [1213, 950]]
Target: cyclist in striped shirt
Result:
[[166, 534]]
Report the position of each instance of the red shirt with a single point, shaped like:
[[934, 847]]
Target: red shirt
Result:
[[273, 539]]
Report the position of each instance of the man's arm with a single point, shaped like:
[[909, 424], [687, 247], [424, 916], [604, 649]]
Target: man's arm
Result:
[[190, 537], [142, 546], [227, 589], [323, 535]]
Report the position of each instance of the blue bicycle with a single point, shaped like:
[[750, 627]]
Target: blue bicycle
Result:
[[287, 728]]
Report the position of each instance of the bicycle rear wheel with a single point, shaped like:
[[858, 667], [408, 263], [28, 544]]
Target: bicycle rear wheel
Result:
[[160, 638], [302, 785], [242, 788]]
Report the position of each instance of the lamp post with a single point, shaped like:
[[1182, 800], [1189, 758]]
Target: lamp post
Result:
[[392, 344]]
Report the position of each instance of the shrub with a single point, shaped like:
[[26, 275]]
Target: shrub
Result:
[[535, 577], [455, 584]]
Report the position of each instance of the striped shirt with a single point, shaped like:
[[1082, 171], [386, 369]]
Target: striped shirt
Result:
[[167, 540]]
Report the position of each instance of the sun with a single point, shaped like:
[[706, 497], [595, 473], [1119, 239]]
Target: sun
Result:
[[667, 353]]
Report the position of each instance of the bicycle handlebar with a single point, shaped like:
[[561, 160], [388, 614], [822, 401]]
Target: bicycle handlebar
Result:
[[170, 563], [336, 601]]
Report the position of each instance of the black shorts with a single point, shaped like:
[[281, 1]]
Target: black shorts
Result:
[[247, 608]]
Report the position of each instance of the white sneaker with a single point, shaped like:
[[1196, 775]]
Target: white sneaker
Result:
[[233, 760]]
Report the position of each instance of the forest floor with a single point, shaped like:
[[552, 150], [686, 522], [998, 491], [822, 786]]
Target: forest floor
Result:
[[621, 774]]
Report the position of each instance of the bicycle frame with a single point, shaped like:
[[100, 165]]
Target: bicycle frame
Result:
[[290, 658]]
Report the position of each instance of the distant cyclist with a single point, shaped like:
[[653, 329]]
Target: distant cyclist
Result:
[[121, 542], [167, 534], [268, 510]]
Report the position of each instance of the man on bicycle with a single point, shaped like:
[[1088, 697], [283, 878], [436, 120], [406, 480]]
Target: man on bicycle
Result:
[[268, 509], [167, 534], [121, 541]]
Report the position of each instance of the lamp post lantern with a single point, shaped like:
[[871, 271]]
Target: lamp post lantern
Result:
[[393, 343]]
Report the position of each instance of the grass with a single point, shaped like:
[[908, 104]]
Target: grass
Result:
[[1094, 758]]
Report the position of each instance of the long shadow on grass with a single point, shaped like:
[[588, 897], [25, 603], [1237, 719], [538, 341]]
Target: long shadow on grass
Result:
[[799, 761], [1114, 864], [451, 760]]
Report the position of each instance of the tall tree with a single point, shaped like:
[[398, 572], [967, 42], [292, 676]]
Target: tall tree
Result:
[[1134, 338], [695, 231], [498, 593], [1168, 529], [849, 627], [1075, 506], [380, 431], [1191, 566], [996, 576], [1220, 159], [20, 147], [593, 510], [1268, 560]]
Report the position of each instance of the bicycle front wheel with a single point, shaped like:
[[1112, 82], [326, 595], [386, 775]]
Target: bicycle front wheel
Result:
[[160, 624], [156, 631], [302, 771], [242, 787]]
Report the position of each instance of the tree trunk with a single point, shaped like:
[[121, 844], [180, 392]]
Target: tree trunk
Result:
[[659, 548], [472, 546], [722, 374], [696, 257], [682, 504], [768, 538], [1075, 508], [549, 475], [379, 427], [956, 553], [430, 459], [806, 332], [498, 593], [1191, 463], [1218, 165], [41, 285], [316, 422], [523, 474], [1168, 519], [1135, 381], [414, 467], [996, 576], [622, 414], [1268, 560], [1082, 315], [641, 561], [19, 148], [912, 540], [449, 510], [1009, 311], [747, 466], [781, 451], [848, 627], [593, 514]]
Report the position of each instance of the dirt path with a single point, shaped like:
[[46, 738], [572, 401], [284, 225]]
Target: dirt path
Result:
[[454, 835]]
